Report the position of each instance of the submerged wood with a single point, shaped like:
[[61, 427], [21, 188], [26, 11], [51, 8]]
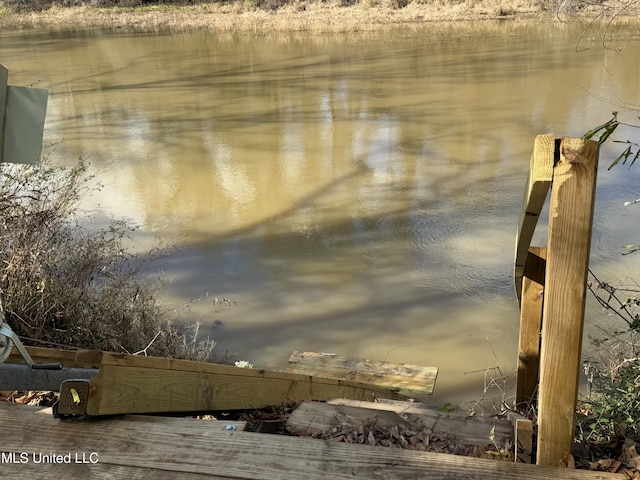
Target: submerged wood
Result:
[[401, 377]]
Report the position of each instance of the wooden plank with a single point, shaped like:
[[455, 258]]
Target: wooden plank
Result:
[[95, 359], [4, 78], [118, 389], [314, 417], [137, 450], [538, 183], [530, 328], [524, 440], [523, 437], [397, 406], [404, 378], [571, 219]]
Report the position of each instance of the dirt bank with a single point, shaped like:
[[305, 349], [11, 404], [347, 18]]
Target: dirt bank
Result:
[[266, 16]]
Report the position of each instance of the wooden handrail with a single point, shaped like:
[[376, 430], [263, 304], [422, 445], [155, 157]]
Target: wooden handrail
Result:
[[538, 183], [552, 291]]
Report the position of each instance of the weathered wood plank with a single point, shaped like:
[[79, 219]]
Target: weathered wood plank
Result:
[[102, 471], [398, 406], [530, 328], [132, 449], [540, 176], [405, 378], [313, 417], [118, 389], [569, 243], [524, 440], [523, 435]]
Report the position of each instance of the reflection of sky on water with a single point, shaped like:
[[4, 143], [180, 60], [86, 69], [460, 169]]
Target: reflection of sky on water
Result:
[[352, 195]]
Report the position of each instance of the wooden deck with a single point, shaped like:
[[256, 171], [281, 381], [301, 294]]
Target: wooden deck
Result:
[[158, 448]]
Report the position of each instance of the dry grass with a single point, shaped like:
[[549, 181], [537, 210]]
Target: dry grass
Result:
[[272, 16], [267, 16]]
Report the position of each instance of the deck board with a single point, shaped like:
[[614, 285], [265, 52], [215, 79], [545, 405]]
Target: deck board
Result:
[[132, 449]]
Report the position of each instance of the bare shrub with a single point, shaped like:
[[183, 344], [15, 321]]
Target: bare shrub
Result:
[[611, 409], [65, 284]]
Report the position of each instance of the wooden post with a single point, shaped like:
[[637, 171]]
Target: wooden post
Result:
[[523, 437], [569, 243], [530, 326], [4, 78]]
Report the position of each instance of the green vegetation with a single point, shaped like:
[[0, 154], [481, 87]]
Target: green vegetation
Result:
[[631, 151], [610, 412], [65, 283]]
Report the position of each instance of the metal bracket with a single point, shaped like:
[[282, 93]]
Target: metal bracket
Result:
[[10, 334]]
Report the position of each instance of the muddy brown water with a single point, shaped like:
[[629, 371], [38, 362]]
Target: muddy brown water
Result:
[[355, 194]]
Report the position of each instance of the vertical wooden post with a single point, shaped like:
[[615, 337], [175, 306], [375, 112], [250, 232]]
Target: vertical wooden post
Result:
[[523, 440], [530, 325], [569, 244], [4, 78]]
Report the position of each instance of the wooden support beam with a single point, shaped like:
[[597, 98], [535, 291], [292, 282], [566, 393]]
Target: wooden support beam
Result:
[[569, 243], [136, 384], [540, 176], [409, 380], [530, 327]]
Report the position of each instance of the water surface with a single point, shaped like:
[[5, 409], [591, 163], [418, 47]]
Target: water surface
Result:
[[355, 194]]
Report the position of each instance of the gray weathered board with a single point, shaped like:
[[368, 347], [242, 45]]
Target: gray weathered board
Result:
[[319, 417], [404, 378], [188, 450]]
